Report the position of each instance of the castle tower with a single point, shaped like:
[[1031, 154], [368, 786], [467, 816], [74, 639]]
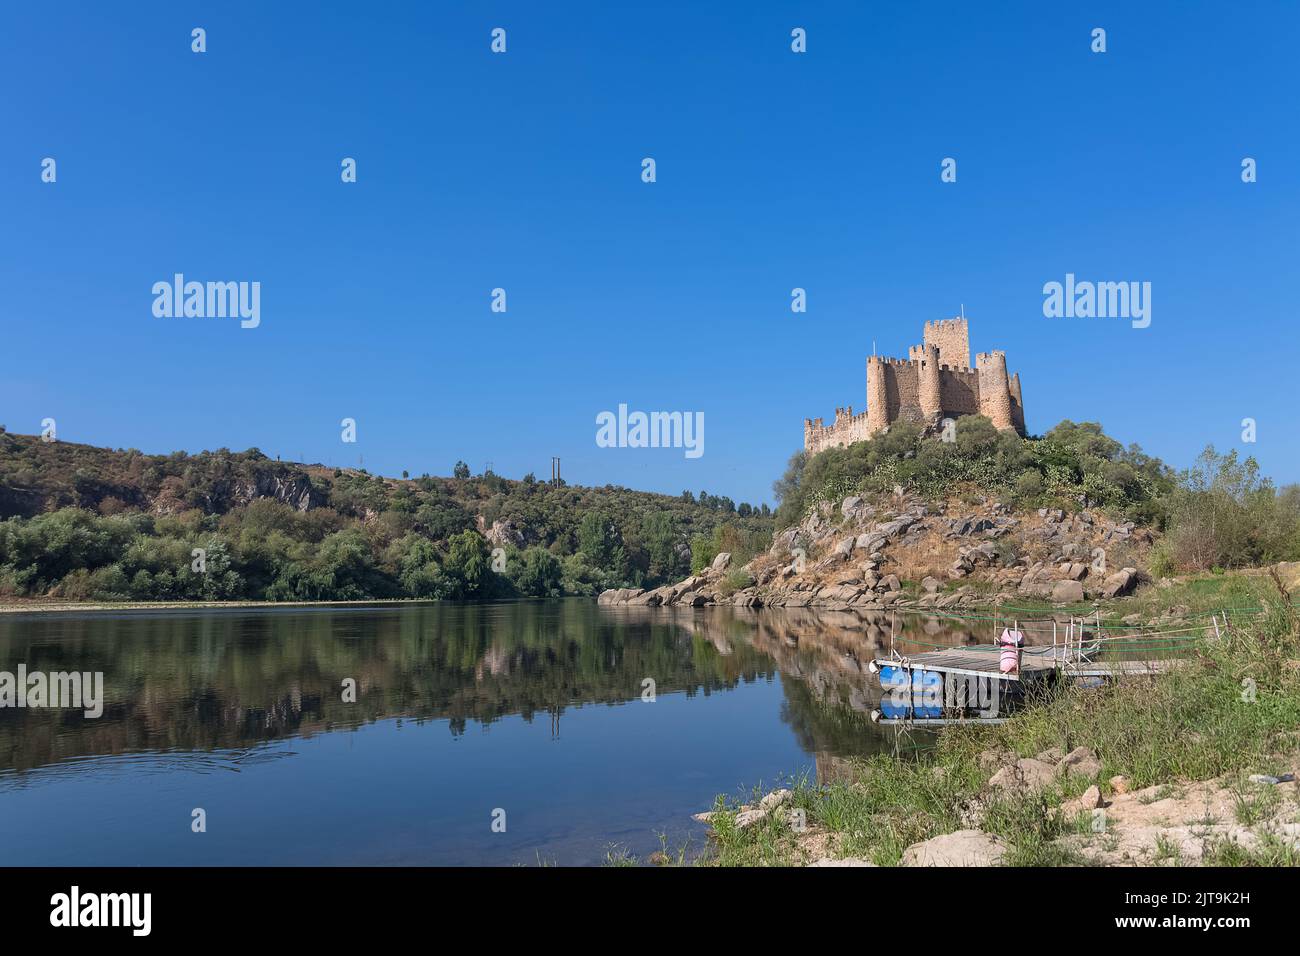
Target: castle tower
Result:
[[1017, 405], [953, 339], [930, 396], [995, 390], [936, 379], [877, 395]]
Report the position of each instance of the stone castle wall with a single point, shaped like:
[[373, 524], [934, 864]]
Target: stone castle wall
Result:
[[960, 391], [953, 339], [934, 382]]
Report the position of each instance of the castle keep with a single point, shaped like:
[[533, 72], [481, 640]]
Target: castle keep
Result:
[[934, 382]]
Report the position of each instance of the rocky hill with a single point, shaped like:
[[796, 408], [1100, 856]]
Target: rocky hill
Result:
[[900, 551]]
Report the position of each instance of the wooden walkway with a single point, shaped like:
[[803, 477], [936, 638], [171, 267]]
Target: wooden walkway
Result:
[[981, 660]]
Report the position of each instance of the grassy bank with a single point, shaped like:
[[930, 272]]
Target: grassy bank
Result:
[[1193, 596], [1232, 711]]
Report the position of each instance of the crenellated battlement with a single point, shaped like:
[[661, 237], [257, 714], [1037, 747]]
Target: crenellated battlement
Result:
[[952, 336], [934, 382]]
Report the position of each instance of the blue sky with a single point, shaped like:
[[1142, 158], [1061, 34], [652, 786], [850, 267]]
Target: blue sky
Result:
[[523, 171]]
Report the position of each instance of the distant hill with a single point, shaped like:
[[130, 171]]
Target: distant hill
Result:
[[90, 523]]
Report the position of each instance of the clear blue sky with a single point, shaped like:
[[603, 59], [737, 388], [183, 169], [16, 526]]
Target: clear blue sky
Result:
[[522, 171]]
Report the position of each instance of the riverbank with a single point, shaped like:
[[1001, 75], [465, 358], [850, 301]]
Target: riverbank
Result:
[[1190, 767], [79, 607], [1172, 600]]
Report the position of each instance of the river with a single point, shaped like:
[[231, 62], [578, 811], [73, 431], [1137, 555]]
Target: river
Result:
[[511, 733]]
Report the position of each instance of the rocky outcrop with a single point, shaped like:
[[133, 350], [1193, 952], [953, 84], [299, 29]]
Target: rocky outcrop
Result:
[[503, 534], [856, 554], [293, 488]]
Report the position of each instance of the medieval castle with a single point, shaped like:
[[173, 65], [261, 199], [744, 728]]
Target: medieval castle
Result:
[[935, 382]]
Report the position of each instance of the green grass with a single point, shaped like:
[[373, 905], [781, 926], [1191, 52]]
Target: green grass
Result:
[[1254, 803], [1269, 851], [1201, 595]]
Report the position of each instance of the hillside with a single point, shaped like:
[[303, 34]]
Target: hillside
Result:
[[904, 520], [87, 523]]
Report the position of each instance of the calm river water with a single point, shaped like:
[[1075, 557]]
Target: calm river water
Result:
[[461, 712]]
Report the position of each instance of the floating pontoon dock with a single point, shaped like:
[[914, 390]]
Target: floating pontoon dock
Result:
[[966, 684]]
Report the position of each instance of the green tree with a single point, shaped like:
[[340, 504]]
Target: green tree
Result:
[[660, 538], [599, 541], [467, 567], [537, 573]]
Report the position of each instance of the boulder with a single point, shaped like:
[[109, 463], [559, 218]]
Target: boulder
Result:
[[1067, 592], [894, 528], [962, 848], [1119, 583], [993, 759], [748, 816], [930, 584], [619, 595], [1081, 760], [845, 592], [784, 542], [1025, 774], [721, 562], [868, 542]]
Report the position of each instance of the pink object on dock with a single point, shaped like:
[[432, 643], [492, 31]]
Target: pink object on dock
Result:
[[1009, 659]]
